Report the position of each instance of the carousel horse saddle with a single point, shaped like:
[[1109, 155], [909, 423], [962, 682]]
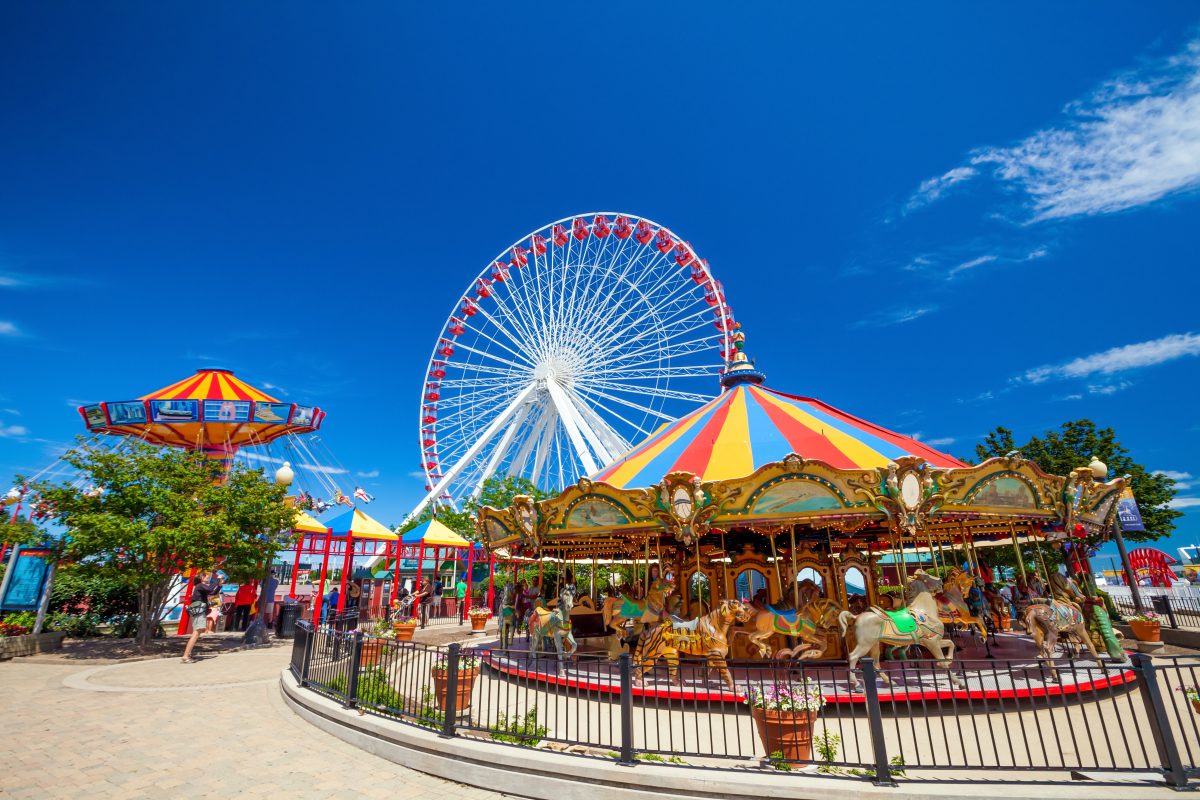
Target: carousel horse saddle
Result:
[[631, 609], [788, 615], [680, 624], [903, 620]]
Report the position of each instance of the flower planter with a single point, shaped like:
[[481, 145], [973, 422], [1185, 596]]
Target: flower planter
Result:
[[1145, 631], [1196, 706], [466, 683], [29, 644], [371, 650], [478, 622], [1005, 624], [786, 732], [404, 630]]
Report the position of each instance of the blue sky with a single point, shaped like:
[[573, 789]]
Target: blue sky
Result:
[[941, 218]]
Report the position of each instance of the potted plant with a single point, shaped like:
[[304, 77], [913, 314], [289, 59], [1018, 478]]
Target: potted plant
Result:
[[479, 616], [1147, 627], [784, 716], [1192, 693], [404, 628], [373, 644], [468, 670]]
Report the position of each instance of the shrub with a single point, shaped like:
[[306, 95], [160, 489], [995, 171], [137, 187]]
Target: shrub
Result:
[[12, 629], [76, 592], [428, 713], [525, 731], [22, 619], [76, 626], [373, 689], [125, 626]]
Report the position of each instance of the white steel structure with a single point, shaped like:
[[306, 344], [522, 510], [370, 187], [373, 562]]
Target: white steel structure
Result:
[[578, 338]]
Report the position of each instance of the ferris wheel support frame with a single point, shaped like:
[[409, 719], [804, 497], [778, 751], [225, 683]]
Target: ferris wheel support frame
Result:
[[573, 425], [473, 451], [502, 448]]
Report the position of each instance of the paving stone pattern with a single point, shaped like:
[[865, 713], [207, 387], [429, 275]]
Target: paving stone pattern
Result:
[[158, 728]]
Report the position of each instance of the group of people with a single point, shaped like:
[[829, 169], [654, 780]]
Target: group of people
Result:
[[204, 607], [429, 599]]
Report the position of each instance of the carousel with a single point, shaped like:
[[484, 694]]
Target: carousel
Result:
[[772, 526]]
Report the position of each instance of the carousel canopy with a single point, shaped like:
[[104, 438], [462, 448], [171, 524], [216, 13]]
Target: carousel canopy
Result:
[[749, 426], [357, 524], [434, 534], [211, 409]]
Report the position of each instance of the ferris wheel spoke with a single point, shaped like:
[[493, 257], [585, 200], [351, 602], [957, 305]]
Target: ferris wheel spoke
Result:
[[652, 391], [649, 342], [647, 410], [616, 415]]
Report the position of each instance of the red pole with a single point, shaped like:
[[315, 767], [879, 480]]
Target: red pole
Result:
[[491, 579], [396, 580], [296, 567], [320, 600], [346, 566], [420, 564], [184, 617], [470, 569]]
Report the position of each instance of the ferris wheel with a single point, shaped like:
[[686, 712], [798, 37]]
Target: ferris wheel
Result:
[[579, 338]]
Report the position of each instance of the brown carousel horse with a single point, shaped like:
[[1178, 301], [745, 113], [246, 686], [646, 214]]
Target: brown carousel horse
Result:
[[1046, 621], [952, 602], [812, 625], [706, 636], [918, 623]]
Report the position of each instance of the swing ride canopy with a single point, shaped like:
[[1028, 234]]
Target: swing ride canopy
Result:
[[359, 525], [434, 534], [307, 524], [763, 461], [211, 410]]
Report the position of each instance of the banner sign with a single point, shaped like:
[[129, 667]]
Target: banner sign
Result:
[[1128, 513], [30, 568]]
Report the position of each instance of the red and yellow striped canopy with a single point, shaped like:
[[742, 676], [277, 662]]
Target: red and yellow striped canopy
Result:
[[211, 410], [749, 426]]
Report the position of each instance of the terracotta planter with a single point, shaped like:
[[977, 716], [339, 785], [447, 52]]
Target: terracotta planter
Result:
[[466, 683], [1196, 706], [786, 732], [478, 622], [1005, 624], [1146, 631], [404, 631], [371, 651]]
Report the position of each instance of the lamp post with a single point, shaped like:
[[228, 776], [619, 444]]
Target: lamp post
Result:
[[256, 634], [1100, 472]]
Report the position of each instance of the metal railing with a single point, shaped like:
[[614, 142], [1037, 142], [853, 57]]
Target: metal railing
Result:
[[1136, 717], [1176, 610]]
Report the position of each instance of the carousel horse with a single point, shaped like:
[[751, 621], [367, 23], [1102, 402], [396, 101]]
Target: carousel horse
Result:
[[1101, 630], [544, 623], [952, 602], [1045, 622], [508, 616], [811, 624], [706, 636], [996, 607], [918, 623], [619, 609]]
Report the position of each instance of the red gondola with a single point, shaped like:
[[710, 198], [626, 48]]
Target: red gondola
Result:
[[483, 288], [429, 417], [600, 227], [621, 227], [457, 327], [714, 293], [518, 254], [429, 442], [538, 244], [439, 370], [579, 229], [469, 307], [429, 465], [433, 395], [700, 271], [500, 271], [445, 348], [559, 235], [663, 241], [683, 254], [643, 232]]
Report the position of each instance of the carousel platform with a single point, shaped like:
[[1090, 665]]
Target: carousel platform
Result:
[[1013, 672]]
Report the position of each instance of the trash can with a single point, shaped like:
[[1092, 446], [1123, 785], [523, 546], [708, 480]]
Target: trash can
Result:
[[286, 625]]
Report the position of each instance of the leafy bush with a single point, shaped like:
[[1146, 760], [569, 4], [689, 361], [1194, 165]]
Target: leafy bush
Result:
[[428, 713], [827, 746], [374, 689], [523, 731], [12, 629], [125, 626], [22, 619], [76, 592], [76, 626]]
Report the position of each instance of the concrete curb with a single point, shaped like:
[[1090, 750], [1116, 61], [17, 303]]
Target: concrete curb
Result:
[[543, 774]]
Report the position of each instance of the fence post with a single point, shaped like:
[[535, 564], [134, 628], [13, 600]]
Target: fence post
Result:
[[450, 707], [626, 758], [355, 661], [883, 773], [1160, 723], [310, 643], [1162, 605]]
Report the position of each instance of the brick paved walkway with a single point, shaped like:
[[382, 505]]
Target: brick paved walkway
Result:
[[158, 728]]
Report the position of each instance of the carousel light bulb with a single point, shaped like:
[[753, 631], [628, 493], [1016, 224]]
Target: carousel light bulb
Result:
[[284, 475], [1099, 469]]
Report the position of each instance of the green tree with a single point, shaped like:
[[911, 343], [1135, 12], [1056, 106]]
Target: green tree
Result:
[[497, 492], [1074, 445], [161, 512]]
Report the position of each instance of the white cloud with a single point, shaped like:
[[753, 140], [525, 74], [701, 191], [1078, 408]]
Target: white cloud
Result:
[[12, 411], [1119, 359], [7, 431], [930, 190], [1108, 388], [250, 455], [972, 264], [1173, 474], [942, 442], [8, 329], [1070, 397], [1184, 502], [372, 474], [270, 387], [1134, 140], [897, 317], [324, 470], [417, 474], [916, 435]]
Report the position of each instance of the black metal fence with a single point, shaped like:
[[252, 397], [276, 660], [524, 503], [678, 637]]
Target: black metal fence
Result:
[[1174, 610], [1143, 716]]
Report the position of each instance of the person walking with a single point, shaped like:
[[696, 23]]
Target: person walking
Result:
[[330, 608], [438, 589], [197, 611], [1006, 597], [460, 594], [423, 597], [266, 599], [241, 606]]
